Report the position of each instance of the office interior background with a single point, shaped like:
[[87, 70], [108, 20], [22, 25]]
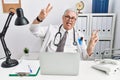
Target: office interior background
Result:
[[17, 38]]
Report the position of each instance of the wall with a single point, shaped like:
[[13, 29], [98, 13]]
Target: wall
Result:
[[17, 38], [117, 32]]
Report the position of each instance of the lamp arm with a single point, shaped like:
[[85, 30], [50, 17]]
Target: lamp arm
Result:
[[2, 36], [6, 50], [6, 24]]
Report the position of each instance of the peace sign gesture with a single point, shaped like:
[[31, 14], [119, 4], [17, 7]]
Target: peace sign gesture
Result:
[[93, 40], [94, 37], [44, 12]]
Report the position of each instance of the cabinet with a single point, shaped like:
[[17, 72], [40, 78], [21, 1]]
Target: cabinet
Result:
[[105, 23]]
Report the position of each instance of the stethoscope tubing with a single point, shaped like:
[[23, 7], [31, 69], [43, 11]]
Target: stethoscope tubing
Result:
[[59, 33]]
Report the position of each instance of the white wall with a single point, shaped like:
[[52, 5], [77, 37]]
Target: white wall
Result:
[[117, 32], [17, 38]]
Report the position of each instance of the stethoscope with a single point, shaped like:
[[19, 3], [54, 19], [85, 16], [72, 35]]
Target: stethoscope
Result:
[[59, 34]]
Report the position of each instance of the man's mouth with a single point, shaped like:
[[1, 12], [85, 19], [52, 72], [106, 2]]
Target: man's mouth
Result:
[[68, 23]]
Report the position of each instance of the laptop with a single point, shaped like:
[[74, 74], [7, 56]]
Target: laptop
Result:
[[59, 63]]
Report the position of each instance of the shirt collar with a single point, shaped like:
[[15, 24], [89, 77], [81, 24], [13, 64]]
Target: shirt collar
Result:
[[63, 30]]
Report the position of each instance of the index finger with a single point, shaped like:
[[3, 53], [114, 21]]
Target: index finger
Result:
[[95, 32], [49, 7]]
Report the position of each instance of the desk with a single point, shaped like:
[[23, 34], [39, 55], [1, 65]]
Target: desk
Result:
[[85, 73]]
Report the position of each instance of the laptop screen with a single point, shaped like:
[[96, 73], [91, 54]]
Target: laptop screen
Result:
[[59, 63]]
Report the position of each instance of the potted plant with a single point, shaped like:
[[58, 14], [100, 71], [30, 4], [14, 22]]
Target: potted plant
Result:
[[26, 51]]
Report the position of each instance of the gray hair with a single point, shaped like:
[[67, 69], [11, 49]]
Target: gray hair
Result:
[[73, 10]]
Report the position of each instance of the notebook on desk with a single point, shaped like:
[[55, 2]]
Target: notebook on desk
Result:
[[58, 63]]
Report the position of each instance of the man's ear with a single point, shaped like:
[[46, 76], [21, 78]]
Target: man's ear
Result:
[[62, 17]]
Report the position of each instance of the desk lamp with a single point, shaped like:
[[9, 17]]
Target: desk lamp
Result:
[[20, 20]]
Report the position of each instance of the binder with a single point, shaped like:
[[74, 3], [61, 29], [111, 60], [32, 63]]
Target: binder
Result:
[[109, 26], [103, 27], [99, 25], [107, 46], [97, 51], [94, 23], [82, 24], [26, 68], [94, 6], [100, 6]]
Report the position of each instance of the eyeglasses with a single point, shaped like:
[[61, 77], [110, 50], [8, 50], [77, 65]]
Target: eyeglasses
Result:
[[72, 18]]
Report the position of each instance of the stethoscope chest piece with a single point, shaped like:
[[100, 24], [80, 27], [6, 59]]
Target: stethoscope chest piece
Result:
[[75, 43]]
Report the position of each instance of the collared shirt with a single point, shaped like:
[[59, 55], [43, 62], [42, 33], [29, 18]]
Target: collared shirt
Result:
[[69, 47]]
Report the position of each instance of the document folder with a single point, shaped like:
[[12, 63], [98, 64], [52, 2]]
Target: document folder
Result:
[[26, 68]]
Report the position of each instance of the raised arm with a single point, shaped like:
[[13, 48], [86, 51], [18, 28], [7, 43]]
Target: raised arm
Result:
[[43, 14], [93, 40]]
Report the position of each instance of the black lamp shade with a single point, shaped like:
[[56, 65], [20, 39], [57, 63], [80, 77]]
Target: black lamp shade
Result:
[[20, 20]]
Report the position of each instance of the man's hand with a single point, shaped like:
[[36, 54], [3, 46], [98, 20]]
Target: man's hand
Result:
[[44, 12], [93, 40]]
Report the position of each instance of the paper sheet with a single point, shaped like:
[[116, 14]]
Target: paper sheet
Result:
[[25, 66]]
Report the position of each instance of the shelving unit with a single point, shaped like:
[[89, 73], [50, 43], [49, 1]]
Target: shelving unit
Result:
[[105, 23]]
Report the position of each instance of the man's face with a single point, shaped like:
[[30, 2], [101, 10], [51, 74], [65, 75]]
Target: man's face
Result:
[[69, 19]]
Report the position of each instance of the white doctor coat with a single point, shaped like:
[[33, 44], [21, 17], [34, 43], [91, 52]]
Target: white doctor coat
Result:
[[49, 32]]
